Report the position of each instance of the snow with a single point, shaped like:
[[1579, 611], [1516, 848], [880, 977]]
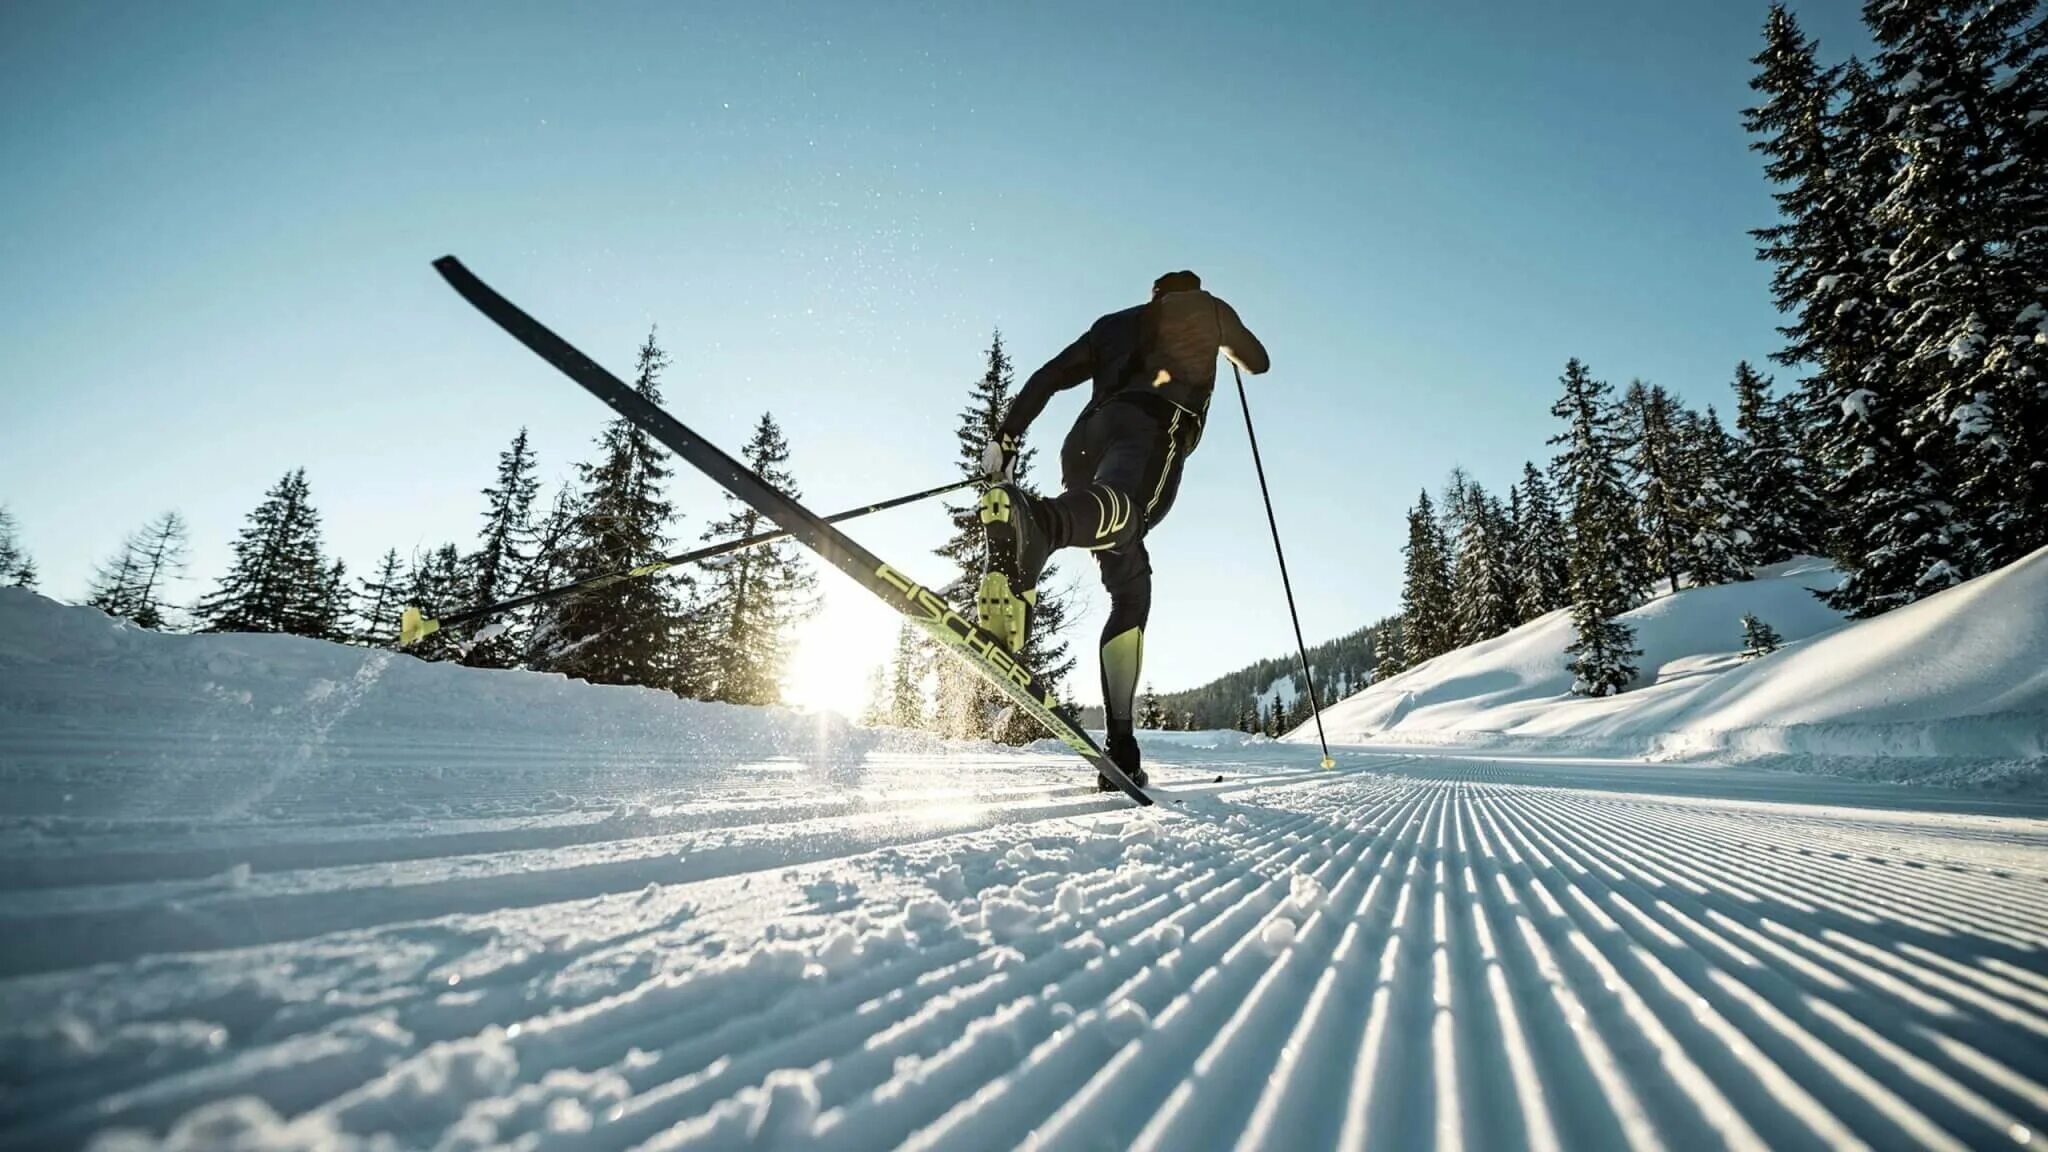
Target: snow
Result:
[[1961, 675], [258, 892]]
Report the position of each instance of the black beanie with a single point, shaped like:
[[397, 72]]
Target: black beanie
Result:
[[1182, 281]]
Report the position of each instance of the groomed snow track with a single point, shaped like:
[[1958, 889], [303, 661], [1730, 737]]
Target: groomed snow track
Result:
[[1405, 953]]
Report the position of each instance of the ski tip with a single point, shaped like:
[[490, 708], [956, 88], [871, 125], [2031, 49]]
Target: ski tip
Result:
[[1329, 762], [414, 627]]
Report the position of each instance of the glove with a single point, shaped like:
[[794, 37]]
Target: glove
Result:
[[999, 458]]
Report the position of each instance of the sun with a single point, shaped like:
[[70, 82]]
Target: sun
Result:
[[838, 649]]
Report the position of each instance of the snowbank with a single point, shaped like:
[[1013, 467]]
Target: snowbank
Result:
[[100, 717], [1959, 679]]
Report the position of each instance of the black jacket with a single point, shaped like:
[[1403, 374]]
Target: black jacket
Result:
[[1166, 349]]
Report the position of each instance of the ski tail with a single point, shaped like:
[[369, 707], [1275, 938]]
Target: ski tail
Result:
[[924, 608]]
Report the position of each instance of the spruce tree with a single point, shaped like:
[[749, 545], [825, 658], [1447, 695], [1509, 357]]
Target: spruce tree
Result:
[[965, 702], [1771, 472], [278, 580], [1482, 601], [1715, 515], [906, 708], [113, 583], [337, 603], [1758, 638], [17, 568], [1967, 81], [1604, 540], [505, 550], [1151, 716], [626, 633], [379, 601], [1649, 417], [753, 598], [1427, 626], [1542, 583]]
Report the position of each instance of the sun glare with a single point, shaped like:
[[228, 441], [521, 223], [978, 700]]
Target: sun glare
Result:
[[838, 649]]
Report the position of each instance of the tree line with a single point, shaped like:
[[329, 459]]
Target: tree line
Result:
[[721, 631], [1911, 259]]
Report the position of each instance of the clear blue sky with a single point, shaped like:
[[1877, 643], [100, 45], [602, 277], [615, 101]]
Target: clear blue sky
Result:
[[216, 221]]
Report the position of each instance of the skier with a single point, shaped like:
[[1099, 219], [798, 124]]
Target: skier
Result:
[[1154, 367]]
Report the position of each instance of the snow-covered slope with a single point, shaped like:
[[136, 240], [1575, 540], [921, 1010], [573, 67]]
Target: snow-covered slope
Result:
[[1959, 677], [258, 892], [101, 718]]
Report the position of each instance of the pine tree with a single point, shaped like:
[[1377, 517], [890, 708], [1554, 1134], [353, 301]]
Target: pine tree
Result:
[[1604, 539], [626, 633], [906, 706], [1248, 719], [505, 550], [17, 569], [1427, 626], [113, 583], [381, 598], [1648, 417], [754, 597], [1151, 716], [1483, 601], [1713, 518], [1966, 81], [1758, 638], [1784, 515], [1281, 718], [965, 702], [278, 580], [1540, 550]]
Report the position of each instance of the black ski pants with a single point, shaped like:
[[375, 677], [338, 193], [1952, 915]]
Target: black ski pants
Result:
[[1121, 469]]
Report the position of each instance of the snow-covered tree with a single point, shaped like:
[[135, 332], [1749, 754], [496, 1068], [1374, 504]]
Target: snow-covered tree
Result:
[[379, 600], [965, 702], [17, 569], [753, 598], [278, 580], [1713, 517], [1151, 716], [1482, 599], [1772, 475], [1542, 581], [1649, 425], [907, 672], [1605, 543], [1427, 626], [1758, 638], [505, 549], [1966, 83], [626, 633]]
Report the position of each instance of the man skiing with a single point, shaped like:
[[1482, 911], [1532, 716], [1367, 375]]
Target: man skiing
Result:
[[1154, 367]]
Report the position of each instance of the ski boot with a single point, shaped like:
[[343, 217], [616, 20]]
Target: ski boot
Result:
[[1017, 550], [1123, 751]]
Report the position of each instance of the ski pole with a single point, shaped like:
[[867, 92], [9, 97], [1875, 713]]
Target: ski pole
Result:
[[414, 627], [1286, 584]]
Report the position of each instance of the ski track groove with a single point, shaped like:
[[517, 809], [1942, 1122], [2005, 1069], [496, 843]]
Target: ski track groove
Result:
[[1476, 960]]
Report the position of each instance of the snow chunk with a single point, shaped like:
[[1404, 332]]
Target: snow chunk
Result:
[[927, 912], [1127, 1020], [840, 951], [1069, 898], [2036, 116], [1004, 917], [1827, 283], [1972, 420], [236, 876], [1305, 893], [783, 1108], [1169, 936], [1962, 248], [1857, 404], [1277, 936]]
